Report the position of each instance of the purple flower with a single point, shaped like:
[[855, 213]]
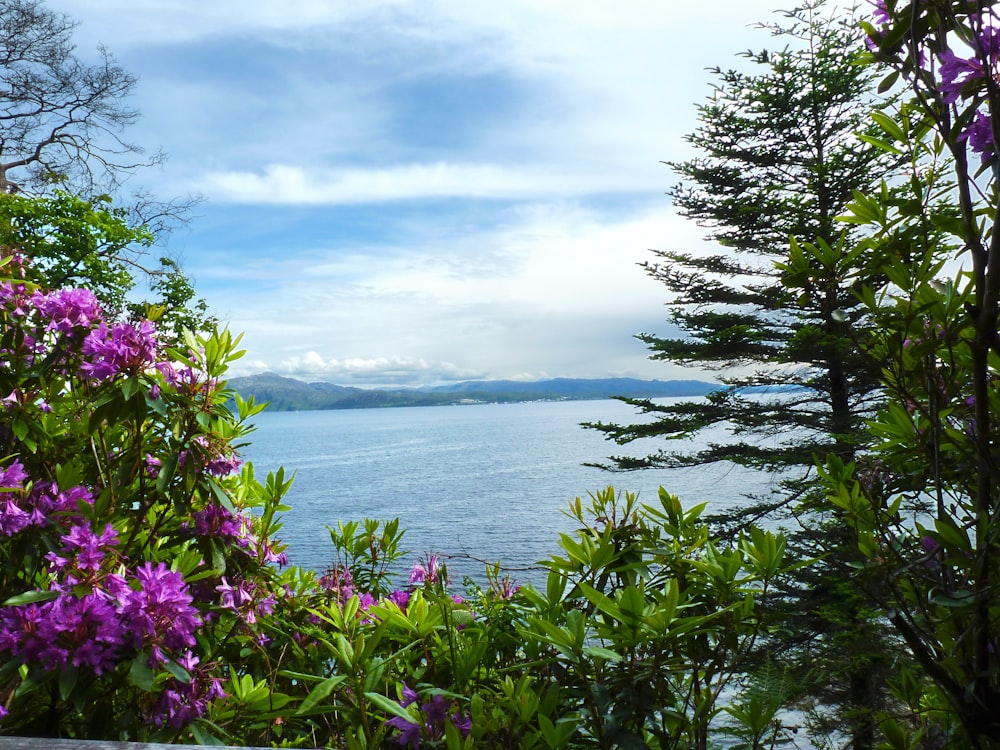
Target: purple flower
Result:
[[409, 731], [430, 574], [979, 135], [400, 598], [82, 631], [244, 600], [955, 73], [232, 598], [160, 612], [183, 702], [13, 518], [462, 722], [433, 714], [417, 574], [153, 465], [220, 459], [86, 548], [880, 13], [123, 348], [12, 477], [504, 589], [337, 582], [17, 511], [436, 710], [220, 522], [66, 309], [409, 696]]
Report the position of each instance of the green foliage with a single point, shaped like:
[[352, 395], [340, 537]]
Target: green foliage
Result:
[[784, 146], [646, 620], [778, 158], [143, 596], [74, 242], [922, 504], [366, 553]]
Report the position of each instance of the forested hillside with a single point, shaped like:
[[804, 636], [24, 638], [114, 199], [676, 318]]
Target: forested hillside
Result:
[[287, 394]]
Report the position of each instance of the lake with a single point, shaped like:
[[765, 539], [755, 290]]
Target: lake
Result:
[[488, 481]]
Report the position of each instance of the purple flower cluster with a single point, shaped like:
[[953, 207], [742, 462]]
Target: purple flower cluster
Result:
[[82, 631], [419, 574], [181, 702], [104, 627], [65, 310], [14, 296], [505, 588], [431, 720], [880, 13], [234, 530], [366, 601], [221, 523], [21, 507], [127, 348], [881, 18], [218, 456], [160, 612], [959, 74], [245, 600], [338, 583], [84, 553]]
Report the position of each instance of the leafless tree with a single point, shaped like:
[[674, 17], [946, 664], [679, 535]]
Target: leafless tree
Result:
[[61, 119]]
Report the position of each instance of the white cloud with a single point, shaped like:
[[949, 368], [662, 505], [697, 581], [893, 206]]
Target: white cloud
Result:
[[502, 160], [560, 294], [279, 183], [373, 371], [610, 89]]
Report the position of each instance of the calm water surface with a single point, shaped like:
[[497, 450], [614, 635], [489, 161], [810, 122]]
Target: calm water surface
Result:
[[489, 481]]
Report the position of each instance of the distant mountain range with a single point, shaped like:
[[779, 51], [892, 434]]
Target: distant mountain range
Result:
[[288, 394]]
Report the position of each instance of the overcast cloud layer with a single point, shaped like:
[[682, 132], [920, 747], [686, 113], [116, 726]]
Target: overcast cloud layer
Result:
[[418, 192]]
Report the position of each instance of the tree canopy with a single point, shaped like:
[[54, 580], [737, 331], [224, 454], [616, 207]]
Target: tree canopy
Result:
[[781, 150]]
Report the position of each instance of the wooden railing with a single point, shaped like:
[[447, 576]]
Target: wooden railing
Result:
[[44, 743]]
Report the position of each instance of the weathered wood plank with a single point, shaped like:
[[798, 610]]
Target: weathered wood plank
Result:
[[44, 743]]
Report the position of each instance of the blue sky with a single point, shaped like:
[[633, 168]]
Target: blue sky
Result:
[[419, 192]]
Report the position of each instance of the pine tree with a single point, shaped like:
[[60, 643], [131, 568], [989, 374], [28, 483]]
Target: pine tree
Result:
[[771, 311], [779, 160]]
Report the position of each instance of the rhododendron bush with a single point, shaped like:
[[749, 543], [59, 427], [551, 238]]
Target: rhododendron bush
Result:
[[144, 594], [123, 515], [924, 503]]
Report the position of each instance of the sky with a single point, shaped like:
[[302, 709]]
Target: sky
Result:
[[407, 193]]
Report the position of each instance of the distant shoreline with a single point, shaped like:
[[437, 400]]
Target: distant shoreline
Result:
[[289, 394]]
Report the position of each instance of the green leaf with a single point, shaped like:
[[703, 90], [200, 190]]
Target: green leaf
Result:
[[951, 536], [30, 597], [204, 737], [879, 143], [177, 671], [890, 126], [20, 428], [140, 673], [602, 653], [67, 681], [888, 82], [390, 706], [167, 471], [319, 693]]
